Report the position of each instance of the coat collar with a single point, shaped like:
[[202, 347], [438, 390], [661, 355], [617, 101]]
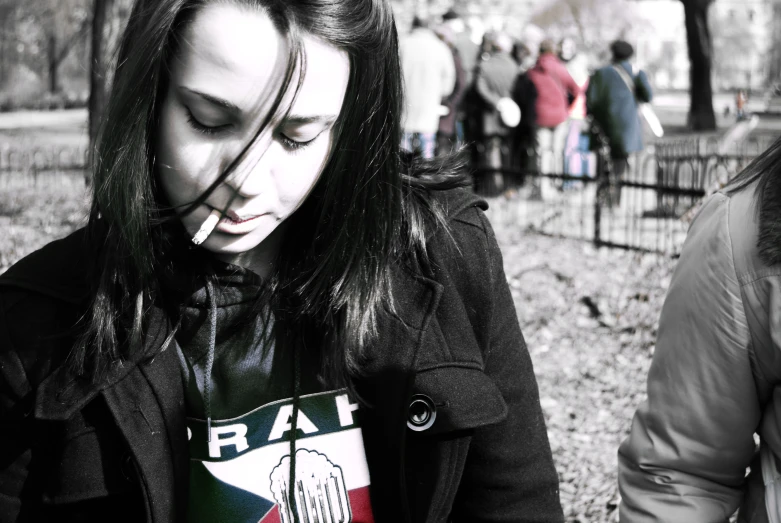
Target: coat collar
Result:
[[63, 393]]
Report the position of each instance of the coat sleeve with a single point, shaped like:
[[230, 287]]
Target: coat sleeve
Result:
[[569, 83], [592, 93], [453, 100], [643, 89], [691, 441], [448, 71], [509, 475], [16, 405], [485, 90]]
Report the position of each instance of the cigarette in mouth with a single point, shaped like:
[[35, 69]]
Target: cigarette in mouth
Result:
[[207, 227]]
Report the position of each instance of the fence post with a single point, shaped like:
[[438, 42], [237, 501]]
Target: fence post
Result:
[[604, 166]]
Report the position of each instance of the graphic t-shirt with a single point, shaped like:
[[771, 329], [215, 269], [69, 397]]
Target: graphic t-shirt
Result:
[[242, 474]]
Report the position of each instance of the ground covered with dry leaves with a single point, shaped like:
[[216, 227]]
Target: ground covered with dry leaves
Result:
[[35, 212], [589, 317]]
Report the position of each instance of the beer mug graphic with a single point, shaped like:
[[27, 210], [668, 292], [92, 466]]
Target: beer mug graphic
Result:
[[319, 490]]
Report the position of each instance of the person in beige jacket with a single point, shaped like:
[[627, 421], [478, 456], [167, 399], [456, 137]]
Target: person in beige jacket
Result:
[[714, 380]]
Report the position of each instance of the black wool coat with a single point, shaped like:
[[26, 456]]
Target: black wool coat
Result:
[[117, 450]]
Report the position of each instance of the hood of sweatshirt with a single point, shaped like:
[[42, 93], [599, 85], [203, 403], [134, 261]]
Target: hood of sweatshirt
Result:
[[227, 347]]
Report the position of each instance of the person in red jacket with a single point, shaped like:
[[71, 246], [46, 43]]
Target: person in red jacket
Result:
[[555, 92]]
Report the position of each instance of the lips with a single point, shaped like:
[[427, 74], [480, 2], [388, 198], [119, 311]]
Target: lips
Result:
[[235, 223], [236, 218]]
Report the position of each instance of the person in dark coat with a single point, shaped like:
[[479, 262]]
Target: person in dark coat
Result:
[[612, 99], [524, 137], [494, 80], [468, 52], [267, 317], [462, 40]]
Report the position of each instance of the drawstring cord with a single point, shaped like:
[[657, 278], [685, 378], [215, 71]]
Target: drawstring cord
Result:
[[207, 378], [207, 389], [294, 432]]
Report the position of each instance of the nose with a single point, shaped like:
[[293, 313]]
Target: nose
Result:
[[251, 175]]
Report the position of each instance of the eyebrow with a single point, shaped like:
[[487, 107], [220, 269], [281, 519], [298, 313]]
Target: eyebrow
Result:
[[225, 104], [326, 119]]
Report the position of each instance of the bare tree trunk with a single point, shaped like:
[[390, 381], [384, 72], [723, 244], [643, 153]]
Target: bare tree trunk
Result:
[[52, 63], [99, 64], [774, 62], [5, 17], [701, 115]]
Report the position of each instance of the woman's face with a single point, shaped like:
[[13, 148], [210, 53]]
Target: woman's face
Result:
[[222, 85]]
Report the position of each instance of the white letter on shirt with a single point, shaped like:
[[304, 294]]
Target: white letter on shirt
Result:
[[345, 410], [282, 423], [239, 439]]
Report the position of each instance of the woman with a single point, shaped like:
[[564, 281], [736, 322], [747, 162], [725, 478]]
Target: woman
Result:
[[262, 294], [714, 379]]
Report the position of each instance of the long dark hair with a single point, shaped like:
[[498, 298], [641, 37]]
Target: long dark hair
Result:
[[759, 176], [761, 170], [368, 210]]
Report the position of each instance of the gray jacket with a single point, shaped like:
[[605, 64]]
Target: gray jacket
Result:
[[714, 379]]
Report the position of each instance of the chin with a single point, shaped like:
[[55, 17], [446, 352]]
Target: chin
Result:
[[221, 243]]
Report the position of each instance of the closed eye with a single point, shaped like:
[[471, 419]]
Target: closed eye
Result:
[[294, 145], [203, 128]]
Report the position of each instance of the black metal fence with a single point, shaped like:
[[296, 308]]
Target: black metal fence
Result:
[[648, 209], [26, 166]]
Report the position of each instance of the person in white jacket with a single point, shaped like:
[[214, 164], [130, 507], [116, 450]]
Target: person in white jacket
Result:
[[429, 76]]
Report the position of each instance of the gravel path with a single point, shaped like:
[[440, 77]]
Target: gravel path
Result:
[[590, 318]]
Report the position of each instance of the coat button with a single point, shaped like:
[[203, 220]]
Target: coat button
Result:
[[422, 413]]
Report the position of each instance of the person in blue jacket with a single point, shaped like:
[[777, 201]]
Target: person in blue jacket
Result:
[[614, 92], [268, 316]]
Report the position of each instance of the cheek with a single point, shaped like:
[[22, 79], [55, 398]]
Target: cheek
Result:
[[301, 173], [185, 165]]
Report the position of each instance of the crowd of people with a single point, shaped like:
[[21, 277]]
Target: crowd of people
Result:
[[515, 113]]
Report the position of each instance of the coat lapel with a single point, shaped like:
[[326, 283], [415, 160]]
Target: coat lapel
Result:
[[148, 407], [145, 397], [164, 377]]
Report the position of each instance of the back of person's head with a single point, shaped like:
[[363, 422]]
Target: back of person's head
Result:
[[520, 52], [360, 182], [450, 14], [503, 43], [489, 42], [621, 50], [547, 46], [445, 33], [419, 22], [567, 49]]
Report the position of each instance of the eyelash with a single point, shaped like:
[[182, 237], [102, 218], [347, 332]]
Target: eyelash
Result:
[[294, 145], [205, 129]]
